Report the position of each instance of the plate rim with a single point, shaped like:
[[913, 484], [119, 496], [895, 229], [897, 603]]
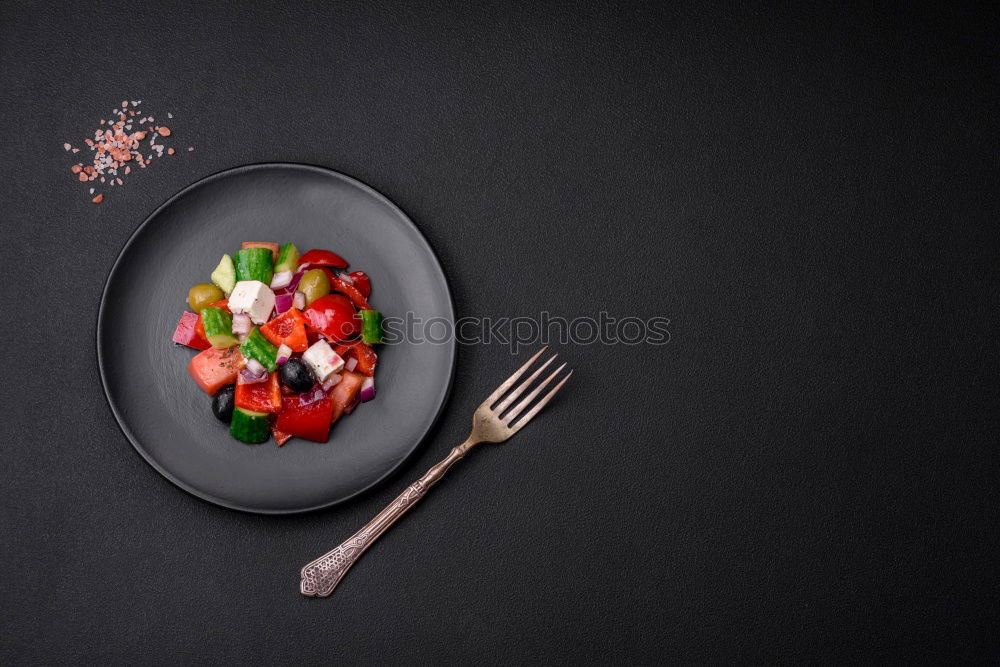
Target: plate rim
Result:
[[207, 497]]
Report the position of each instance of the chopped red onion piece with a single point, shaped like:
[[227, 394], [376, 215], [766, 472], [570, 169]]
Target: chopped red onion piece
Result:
[[295, 280], [284, 352], [281, 279], [313, 395], [188, 322], [351, 364], [249, 377], [299, 300], [367, 390], [290, 287], [346, 277], [283, 302], [241, 323], [255, 367]]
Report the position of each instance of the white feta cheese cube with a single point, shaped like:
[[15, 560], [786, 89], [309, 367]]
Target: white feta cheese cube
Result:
[[322, 360], [253, 298]]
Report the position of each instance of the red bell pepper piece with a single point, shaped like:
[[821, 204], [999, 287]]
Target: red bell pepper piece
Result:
[[200, 326], [363, 352], [259, 396], [315, 258], [279, 437], [289, 329], [362, 282], [333, 316], [213, 369], [338, 284], [186, 332], [311, 421], [366, 358]]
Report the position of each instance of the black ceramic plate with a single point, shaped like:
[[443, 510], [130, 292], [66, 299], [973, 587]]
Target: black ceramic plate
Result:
[[169, 419]]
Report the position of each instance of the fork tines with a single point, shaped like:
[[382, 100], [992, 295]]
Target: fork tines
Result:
[[517, 413]]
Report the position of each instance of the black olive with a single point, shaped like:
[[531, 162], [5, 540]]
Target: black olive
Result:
[[296, 376], [222, 403]]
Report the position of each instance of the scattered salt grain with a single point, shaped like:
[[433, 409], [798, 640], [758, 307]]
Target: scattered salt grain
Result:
[[114, 144]]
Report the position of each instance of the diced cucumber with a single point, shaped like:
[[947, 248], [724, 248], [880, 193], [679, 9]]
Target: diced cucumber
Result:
[[371, 326], [288, 259], [257, 347], [224, 275], [218, 328], [255, 264], [250, 427]]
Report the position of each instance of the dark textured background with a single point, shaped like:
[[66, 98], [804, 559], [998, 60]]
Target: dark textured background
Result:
[[807, 471]]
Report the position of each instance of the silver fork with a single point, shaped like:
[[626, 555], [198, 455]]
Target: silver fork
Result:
[[489, 424]]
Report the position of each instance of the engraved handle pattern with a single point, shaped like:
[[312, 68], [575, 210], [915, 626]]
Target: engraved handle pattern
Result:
[[322, 575]]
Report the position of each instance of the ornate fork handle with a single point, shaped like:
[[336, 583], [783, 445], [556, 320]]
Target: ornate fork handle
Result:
[[322, 575]]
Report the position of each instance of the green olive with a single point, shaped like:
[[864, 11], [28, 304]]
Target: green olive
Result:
[[203, 295], [314, 284]]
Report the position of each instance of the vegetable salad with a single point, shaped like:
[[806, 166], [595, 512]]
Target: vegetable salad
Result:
[[286, 341]]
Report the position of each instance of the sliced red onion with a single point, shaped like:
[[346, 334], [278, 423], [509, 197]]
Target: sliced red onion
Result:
[[249, 377], [241, 323], [351, 364], [367, 390], [281, 279], [284, 352], [255, 367], [346, 277], [295, 280], [292, 284], [355, 403], [313, 395], [299, 300], [331, 381], [283, 302]]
